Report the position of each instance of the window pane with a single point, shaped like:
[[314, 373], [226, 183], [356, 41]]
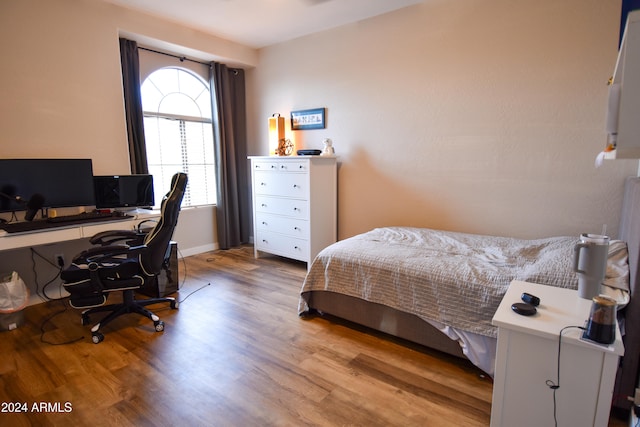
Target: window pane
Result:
[[178, 104], [198, 151], [166, 79], [175, 144], [204, 103], [162, 139], [198, 91], [151, 96], [152, 139], [190, 85], [205, 192]]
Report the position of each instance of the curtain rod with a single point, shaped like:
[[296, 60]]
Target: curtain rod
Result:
[[181, 58]]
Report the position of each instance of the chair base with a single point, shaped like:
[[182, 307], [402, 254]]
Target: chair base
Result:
[[129, 305]]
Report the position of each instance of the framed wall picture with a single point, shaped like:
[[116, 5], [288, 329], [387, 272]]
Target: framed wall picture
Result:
[[308, 119]]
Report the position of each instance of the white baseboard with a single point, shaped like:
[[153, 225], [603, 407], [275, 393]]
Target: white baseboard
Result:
[[196, 250]]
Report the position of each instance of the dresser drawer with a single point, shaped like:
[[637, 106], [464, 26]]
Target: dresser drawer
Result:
[[277, 206], [293, 166], [282, 245], [283, 225], [282, 184], [281, 165], [265, 165]]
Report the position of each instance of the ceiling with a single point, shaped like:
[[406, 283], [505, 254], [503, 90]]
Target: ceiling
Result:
[[260, 23]]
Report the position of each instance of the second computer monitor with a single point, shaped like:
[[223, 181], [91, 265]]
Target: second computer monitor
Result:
[[123, 191]]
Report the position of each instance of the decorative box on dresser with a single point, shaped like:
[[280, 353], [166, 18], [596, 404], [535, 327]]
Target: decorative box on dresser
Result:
[[294, 205], [527, 363]]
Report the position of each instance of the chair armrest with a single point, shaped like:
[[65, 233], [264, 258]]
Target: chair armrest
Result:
[[110, 237], [100, 253]]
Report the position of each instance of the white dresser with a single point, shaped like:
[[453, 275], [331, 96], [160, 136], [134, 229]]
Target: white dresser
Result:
[[294, 205]]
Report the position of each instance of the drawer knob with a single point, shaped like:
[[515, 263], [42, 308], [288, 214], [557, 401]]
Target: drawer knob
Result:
[[295, 186], [296, 228], [263, 184], [301, 167], [296, 247], [264, 205], [264, 222], [273, 166], [296, 209]]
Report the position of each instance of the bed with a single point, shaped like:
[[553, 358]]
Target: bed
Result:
[[441, 289]]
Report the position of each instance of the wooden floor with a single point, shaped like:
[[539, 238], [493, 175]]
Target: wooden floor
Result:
[[235, 353]]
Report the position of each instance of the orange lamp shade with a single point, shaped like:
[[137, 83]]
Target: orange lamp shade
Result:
[[276, 132]]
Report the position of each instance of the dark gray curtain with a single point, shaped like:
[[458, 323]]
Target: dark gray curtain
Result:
[[233, 211], [133, 105]]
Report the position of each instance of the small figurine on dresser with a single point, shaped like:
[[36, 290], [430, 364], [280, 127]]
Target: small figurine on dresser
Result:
[[328, 147]]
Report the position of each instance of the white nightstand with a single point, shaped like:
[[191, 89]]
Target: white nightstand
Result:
[[527, 356]]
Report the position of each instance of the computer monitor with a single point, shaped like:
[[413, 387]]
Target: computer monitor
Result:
[[56, 183], [123, 191]]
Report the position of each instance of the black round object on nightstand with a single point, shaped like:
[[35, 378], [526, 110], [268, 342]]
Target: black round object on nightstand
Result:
[[523, 308]]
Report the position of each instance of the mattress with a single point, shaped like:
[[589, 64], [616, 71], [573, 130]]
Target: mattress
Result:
[[454, 281]]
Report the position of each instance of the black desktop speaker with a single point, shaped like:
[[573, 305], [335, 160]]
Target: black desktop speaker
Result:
[[166, 282]]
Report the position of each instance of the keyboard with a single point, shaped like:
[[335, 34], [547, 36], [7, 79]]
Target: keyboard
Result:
[[84, 216], [61, 221]]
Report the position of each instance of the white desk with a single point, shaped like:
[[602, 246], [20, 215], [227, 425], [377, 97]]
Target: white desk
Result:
[[527, 356], [9, 241]]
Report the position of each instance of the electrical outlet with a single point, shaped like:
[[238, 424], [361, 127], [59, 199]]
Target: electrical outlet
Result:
[[59, 260]]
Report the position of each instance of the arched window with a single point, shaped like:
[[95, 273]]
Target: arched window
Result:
[[178, 133]]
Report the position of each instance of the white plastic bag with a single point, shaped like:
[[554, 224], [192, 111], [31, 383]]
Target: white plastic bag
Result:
[[14, 294]]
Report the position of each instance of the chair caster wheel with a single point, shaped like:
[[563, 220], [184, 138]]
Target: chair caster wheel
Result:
[[159, 325], [97, 337], [174, 305]]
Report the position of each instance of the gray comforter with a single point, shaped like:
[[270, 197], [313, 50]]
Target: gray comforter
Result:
[[453, 278]]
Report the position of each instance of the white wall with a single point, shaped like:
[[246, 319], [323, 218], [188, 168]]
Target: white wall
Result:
[[481, 116]]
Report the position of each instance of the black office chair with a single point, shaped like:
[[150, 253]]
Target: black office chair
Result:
[[124, 260]]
